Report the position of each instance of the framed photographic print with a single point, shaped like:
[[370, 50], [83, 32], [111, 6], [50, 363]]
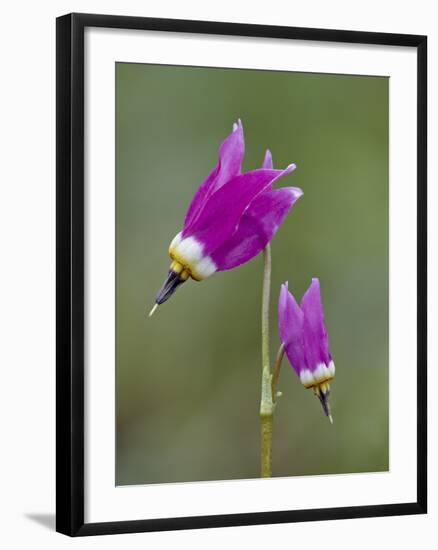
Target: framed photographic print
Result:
[[241, 274]]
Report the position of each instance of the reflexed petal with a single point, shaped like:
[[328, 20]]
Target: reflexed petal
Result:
[[221, 215], [257, 227], [268, 165], [290, 327], [231, 154], [316, 344], [267, 162]]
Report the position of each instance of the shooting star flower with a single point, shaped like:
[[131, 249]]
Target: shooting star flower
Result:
[[231, 217], [303, 332]]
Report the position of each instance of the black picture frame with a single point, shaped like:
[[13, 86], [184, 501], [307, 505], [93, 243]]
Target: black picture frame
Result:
[[70, 273]]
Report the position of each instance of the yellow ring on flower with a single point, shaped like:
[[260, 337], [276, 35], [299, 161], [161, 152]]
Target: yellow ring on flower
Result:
[[187, 253]]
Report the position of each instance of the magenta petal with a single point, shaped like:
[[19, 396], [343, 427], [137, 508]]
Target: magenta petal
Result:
[[231, 154], [221, 215], [267, 162], [316, 343], [290, 327], [257, 227]]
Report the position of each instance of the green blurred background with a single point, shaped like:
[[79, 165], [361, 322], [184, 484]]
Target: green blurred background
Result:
[[188, 379]]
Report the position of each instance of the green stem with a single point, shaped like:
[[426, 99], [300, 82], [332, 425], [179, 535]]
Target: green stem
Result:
[[265, 305], [266, 403], [276, 371]]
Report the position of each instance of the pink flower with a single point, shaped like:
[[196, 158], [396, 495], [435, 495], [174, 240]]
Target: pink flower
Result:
[[304, 335], [231, 218]]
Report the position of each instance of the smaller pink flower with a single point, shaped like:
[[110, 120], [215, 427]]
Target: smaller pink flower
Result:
[[304, 335]]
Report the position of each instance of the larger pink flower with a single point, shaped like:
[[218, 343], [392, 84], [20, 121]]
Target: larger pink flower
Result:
[[231, 217]]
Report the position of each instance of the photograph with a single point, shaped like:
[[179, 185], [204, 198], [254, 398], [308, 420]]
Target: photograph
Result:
[[216, 260], [252, 273]]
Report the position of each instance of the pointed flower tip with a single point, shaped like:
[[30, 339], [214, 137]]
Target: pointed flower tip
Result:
[[296, 193], [315, 284], [330, 417], [237, 125], [153, 310], [267, 161]]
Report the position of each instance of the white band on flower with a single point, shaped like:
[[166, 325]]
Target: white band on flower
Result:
[[321, 374], [188, 252]]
